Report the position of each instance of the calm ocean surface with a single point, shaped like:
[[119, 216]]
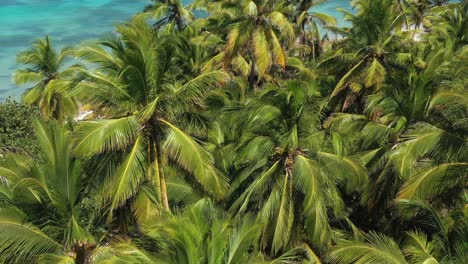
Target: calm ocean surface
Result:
[[68, 22]]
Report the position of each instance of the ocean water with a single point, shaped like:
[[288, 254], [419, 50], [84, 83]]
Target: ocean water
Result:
[[69, 22]]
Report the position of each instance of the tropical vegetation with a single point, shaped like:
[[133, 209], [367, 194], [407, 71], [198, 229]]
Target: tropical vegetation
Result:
[[258, 131]]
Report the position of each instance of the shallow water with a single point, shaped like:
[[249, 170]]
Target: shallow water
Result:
[[68, 22]]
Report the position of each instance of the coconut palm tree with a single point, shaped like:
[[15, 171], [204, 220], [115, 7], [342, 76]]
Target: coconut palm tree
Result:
[[373, 46], [354, 154], [416, 11], [258, 34], [195, 48], [379, 248], [403, 125], [282, 163], [50, 212], [204, 234], [308, 23], [148, 109], [51, 76], [45, 208], [449, 23], [415, 246], [170, 13]]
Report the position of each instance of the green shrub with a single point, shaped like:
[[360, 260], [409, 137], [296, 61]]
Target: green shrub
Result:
[[16, 127]]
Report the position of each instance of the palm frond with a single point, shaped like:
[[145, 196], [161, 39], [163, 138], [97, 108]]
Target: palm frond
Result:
[[190, 155], [428, 181], [375, 74], [281, 22], [261, 51], [23, 242], [419, 248], [27, 76], [416, 142], [284, 217], [124, 184], [122, 252], [348, 169], [309, 179], [98, 136], [345, 79], [377, 249], [146, 207], [55, 259], [242, 239]]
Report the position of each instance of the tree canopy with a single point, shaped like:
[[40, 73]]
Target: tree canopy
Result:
[[246, 135]]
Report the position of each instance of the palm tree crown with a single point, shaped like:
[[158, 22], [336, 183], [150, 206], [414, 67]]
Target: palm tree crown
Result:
[[147, 108], [51, 76]]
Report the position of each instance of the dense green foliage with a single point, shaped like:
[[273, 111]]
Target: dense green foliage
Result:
[[246, 136], [16, 127]]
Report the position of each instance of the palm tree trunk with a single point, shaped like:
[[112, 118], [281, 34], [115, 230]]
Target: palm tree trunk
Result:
[[313, 48], [252, 75], [180, 24], [159, 179], [165, 200], [82, 252], [153, 172], [80, 257]]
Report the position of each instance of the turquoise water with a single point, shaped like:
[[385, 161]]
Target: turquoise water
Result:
[[67, 22]]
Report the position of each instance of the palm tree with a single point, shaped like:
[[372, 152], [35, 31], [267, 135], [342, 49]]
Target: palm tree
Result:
[[195, 47], [45, 209], [49, 211], [403, 125], [446, 226], [444, 245], [379, 248], [449, 23], [169, 12], [416, 11], [282, 163], [374, 45], [48, 71], [204, 234], [148, 107], [308, 23], [258, 35]]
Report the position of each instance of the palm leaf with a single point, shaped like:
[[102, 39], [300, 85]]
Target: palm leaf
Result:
[[120, 253], [312, 256], [419, 248], [375, 74], [146, 207], [348, 169], [98, 136], [345, 79], [416, 142], [325, 18], [22, 242], [281, 22], [130, 173], [261, 51], [55, 259], [309, 179], [191, 156], [27, 76], [429, 181], [277, 51], [243, 237], [377, 249], [256, 189], [284, 217]]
